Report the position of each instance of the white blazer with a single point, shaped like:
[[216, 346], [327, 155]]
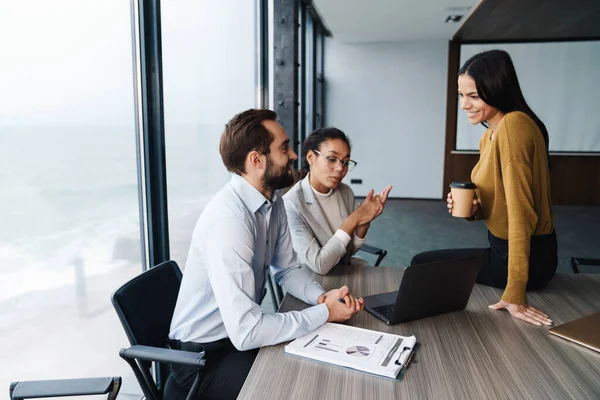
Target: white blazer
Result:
[[313, 239]]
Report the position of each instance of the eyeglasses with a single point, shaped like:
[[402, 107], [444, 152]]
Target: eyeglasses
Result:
[[333, 162]]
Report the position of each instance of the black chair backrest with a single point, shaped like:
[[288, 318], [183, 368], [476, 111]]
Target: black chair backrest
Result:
[[146, 303], [145, 306]]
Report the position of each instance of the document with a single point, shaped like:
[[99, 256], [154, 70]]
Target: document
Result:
[[374, 352]]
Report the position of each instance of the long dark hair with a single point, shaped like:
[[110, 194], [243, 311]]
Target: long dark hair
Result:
[[497, 85]]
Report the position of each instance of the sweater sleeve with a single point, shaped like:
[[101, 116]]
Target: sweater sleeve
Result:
[[517, 177], [521, 224]]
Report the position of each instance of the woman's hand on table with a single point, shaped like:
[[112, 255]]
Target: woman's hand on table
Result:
[[524, 312]]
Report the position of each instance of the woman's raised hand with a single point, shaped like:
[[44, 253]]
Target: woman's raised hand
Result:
[[383, 195], [369, 209]]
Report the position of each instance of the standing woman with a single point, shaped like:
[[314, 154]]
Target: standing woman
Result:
[[325, 227], [513, 186]]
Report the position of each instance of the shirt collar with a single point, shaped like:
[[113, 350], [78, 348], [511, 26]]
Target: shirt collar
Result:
[[251, 197]]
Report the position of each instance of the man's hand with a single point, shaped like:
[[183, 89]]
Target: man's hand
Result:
[[341, 311], [524, 312]]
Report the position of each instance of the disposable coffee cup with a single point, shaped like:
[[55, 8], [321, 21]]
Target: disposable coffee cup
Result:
[[463, 194]]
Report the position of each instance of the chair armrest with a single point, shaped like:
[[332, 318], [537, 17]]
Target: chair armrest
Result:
[[381, 253], [65, 387], [371, 249], [158, 354], [577, 261]]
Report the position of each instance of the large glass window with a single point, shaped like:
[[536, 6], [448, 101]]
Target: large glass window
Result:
[[209, 75], [68, 187]]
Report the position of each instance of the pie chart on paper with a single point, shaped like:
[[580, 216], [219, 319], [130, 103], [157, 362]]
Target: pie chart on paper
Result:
[[358, 351]]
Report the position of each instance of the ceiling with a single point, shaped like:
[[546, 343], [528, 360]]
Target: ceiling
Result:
[[517, 20], [361, 21]]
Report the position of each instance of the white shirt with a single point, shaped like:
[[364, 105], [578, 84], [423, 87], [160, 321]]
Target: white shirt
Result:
[[238, 235]]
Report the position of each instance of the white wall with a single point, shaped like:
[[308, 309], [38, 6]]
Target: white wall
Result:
[[390, 99]]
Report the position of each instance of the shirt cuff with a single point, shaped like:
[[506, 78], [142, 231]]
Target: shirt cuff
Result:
[[318, 314], [313, 292], [358, 242], [343, 236]]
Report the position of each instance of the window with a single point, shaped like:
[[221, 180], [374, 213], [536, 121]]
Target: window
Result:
[[69, 194], [209, 75]]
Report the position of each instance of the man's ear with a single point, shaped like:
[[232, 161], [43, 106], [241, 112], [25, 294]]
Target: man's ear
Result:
[[256, 160]]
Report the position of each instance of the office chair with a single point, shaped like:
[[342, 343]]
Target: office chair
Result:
[[577, 261], [65, 387], [145, 307], [380, 253], [277, 292]]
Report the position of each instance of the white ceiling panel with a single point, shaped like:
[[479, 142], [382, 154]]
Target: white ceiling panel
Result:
[[360, 21]]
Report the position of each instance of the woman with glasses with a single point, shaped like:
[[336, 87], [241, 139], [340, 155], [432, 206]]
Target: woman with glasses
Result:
[[325, 227]]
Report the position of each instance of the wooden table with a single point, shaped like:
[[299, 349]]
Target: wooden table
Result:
[[476, 353]]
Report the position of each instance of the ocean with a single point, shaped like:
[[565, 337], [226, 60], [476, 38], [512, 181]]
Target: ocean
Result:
[[69, 200]]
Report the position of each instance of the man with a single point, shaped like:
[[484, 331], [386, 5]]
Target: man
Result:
[[242, 231]]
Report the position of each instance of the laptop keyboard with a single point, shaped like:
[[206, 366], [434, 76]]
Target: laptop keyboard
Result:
[[385, 310]]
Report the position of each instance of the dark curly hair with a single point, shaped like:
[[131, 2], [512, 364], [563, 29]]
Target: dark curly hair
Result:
[[314, 140]]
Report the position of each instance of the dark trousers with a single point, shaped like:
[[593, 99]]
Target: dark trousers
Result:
[[543, 260], [223, 375]]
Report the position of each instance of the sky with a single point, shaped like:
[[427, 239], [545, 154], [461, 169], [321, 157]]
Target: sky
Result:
[[65, 62], [69, 62]]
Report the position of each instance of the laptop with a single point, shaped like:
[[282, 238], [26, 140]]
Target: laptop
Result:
[[584, 331], [427, 290]]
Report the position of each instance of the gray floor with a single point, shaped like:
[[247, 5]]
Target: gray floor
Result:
[[408, 227]]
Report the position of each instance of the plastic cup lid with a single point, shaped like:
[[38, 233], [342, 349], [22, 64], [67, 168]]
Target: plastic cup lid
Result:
[[463, 185]]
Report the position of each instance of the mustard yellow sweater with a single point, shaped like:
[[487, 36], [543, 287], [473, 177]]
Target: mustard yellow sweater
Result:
[[513, 186]]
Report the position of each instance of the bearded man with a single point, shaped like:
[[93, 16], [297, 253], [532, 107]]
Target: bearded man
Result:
[[242, 232]]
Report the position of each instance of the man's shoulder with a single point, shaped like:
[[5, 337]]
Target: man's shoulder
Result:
[[224, 205]]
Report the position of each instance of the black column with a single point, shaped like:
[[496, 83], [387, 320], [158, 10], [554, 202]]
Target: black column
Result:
[[150, 127], [285, 71], [263, 53]]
